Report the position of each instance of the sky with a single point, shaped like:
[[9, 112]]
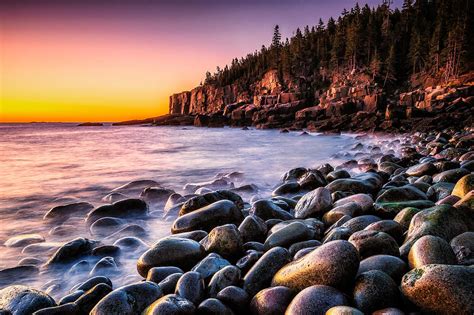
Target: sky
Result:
[[106, 60]]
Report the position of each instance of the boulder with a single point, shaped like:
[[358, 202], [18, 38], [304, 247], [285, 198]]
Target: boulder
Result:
[[374, 290], [217, 213], [227, 276], [370, 243], [288, 235], [267, 209], [224, 240], [463, 247], [274, 300], [261, 274], [171, 304], [391, 265], [130, 299], [158, 274], [64, 212], [71, 251], [201, 201], [127, 208], [334, 264], [191, 287], [440, 289], [210, 265], [252, 228], [22, 300], [314, 203], [316, 299], [464, 186], [430, 249], [179, 252], [444, 221]]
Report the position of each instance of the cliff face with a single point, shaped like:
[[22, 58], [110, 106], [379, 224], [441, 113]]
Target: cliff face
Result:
[[353, 101]]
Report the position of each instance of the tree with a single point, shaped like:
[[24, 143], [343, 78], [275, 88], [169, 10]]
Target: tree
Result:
[[276, 40]]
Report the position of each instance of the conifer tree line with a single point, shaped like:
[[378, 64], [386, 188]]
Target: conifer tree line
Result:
[[423, 37]]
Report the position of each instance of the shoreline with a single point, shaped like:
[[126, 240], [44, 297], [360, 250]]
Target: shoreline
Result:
[[327, 237]]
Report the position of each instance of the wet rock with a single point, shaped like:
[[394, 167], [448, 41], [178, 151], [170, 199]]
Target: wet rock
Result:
[[339, 174], [443, 221], [375, 290], [211, 264], [266, 209], [168, 284], [213, 307], [170, 304], [391, 265], [86, 302], [32, 261], [404, 193], [363, 200], [191, 287], [135, 187], [23, 240], [156, 195], [217, 213], [430, 249], [360, 223], [439, 191], [113, 197], [451, 176], [464, 186], [71, 251], [17, 274], [179, 252], [273, 300], [79, 268], [294, 174], [350, 209], [366, 183], [370, 243], [127, 208], [227, 276], [106, 250], [204, 200], [224, 240], [72, 297], [157, 274], [235, 297], [463, 247], [22, 300], [405, 215], [343, 310], [246, 262], [62, 230], [389, 210], [296, 247], [440, 289], [286, 236], [289, 188], [131, 230], [391, 227], [467, 202], [105, 226], [173, 205], [422, 169], [316, 299], [92, 282], [218, 183], [64, 212], [105, 266], [337, 233], [130, 299], [130, 244], [311, 180], [334, 264], [314, 203], [252, 228], [261, 274]]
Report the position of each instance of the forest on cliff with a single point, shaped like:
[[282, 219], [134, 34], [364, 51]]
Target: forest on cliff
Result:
[[395, 46]]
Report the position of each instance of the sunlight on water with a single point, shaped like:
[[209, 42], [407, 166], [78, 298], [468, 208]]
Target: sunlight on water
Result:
[[45, 165]]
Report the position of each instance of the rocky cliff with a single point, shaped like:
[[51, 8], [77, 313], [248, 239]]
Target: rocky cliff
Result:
[[353, 101]]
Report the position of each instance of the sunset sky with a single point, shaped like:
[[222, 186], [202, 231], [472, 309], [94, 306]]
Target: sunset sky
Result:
[[116, 60]]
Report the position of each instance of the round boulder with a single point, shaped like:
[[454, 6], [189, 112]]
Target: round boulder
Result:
[[316, 299]]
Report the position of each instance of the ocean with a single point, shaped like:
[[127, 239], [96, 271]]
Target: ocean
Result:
[[45, 165]]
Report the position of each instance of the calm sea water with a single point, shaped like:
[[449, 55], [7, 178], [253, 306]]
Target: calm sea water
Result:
[[43, 165]]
